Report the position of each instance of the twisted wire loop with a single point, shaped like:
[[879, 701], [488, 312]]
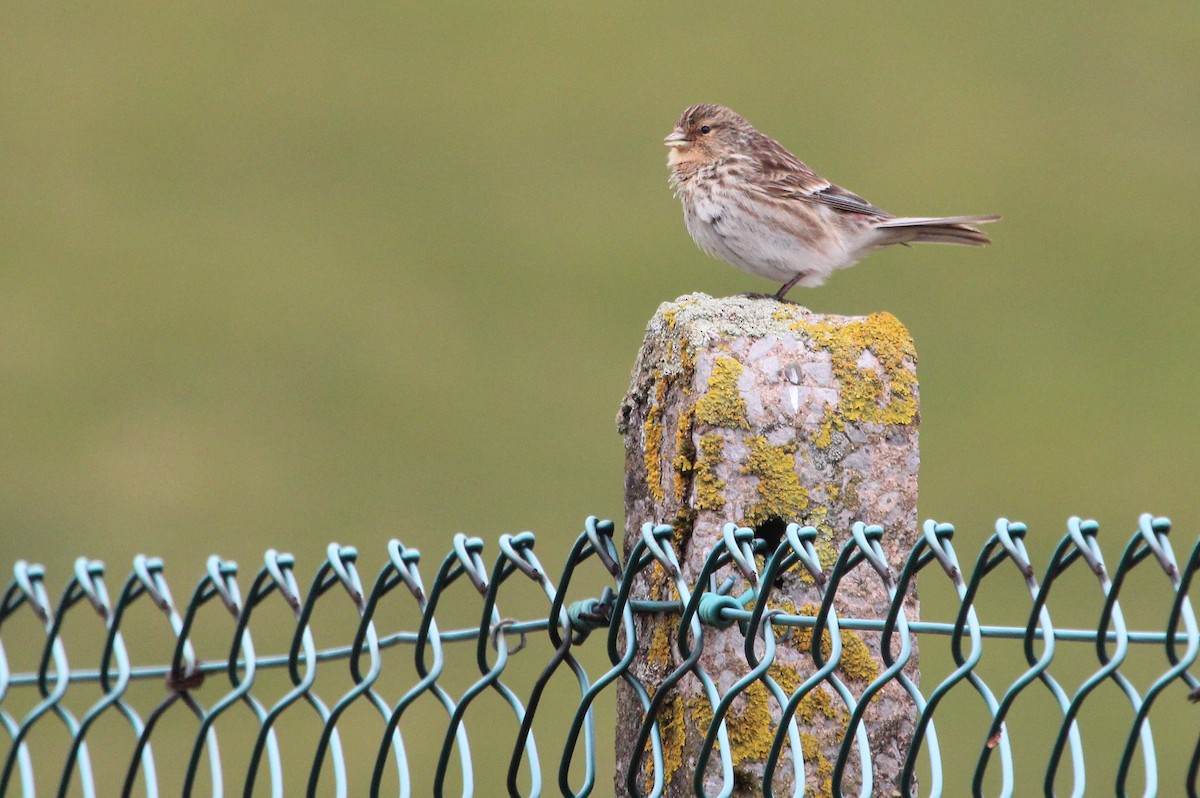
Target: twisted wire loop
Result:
[[743, 599]]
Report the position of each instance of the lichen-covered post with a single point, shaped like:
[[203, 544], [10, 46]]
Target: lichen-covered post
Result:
[[762, 413]]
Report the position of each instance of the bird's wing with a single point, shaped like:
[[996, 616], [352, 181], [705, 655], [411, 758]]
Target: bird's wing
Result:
[[843, 200], [784, 176]]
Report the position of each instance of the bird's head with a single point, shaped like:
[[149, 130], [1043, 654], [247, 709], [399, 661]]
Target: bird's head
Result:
[[705, 133]]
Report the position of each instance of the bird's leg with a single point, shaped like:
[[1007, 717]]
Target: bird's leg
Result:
[[788, 285]]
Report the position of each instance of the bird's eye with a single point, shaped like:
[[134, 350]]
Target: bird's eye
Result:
[[705, 129]]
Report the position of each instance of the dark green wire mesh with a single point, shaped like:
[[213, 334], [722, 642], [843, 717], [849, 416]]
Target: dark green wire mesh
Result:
[[566, 760]]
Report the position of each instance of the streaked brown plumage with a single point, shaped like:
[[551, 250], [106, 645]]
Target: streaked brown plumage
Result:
[[751, 203]]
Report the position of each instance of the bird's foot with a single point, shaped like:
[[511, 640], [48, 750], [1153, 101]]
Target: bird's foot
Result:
[[775, 296], [788, 286]]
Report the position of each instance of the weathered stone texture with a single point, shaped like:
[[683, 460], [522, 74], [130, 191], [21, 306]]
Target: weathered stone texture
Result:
[[758, 412]]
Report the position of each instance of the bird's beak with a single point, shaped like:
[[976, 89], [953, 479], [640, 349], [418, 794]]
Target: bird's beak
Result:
[[677, 139]]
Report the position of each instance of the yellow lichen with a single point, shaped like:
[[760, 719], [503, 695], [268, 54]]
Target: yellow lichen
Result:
[[683, 466], [856, 662], [710, 489], [652, 434], [751, 734], [816, 703], [829, 422], [660, 583], [685, 451], [672, 729], [671, 313], [748, 723], [780, 494], [722, 405], [866, 396], [658, 653], [827, 552], [687, 365], [815, 757], [750, 726], [786, 676], [819, 703]]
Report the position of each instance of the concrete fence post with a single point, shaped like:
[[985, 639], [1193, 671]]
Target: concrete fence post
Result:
[[764, 413]]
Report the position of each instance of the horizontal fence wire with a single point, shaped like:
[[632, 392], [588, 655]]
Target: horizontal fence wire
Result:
[[569, 755]]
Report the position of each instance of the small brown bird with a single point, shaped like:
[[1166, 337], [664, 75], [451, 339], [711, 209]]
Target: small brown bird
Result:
[[751, 203]]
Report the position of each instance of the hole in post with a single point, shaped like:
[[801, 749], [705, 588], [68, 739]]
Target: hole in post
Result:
[[771, 532]]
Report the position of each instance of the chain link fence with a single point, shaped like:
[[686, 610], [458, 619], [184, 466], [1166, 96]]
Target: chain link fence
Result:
[[69, 725]]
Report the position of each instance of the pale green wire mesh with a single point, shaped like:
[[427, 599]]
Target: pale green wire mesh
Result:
[[563, 759]]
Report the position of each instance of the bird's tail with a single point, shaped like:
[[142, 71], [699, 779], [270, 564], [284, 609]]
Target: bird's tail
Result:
[[934, 230]]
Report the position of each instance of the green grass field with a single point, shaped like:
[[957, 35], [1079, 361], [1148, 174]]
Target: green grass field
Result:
[[287, 274]]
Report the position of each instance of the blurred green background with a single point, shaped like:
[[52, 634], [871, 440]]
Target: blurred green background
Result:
[[286, 274]]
